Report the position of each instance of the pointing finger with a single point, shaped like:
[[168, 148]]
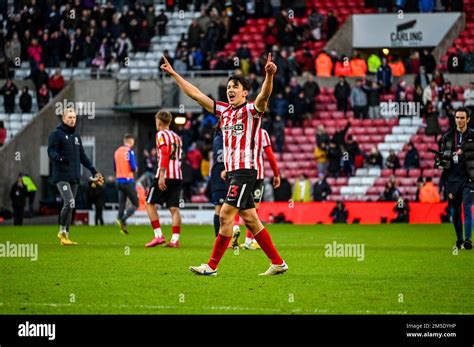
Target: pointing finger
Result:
[[166, 60], [269, 58]]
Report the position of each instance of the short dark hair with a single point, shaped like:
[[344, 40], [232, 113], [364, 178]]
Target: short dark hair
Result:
[[463, 109], [128, 137], [428, 179], [164, 116], [240, 79]]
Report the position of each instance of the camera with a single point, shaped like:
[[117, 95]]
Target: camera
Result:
[[442, 159]]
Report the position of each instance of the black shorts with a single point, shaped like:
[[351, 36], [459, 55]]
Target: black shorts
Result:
[[169, 196], [258, 191], [218, 197], [241, 185]]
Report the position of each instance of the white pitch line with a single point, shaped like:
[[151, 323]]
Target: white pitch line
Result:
[[219, 308]]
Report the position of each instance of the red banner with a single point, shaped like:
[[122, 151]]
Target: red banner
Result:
[[366, 212]]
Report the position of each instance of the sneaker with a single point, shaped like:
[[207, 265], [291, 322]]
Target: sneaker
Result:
[[248, 246], [468, 244], [156, 241], [275, 270], [203, 270], [459, 244], [122, 226], [172, 244]]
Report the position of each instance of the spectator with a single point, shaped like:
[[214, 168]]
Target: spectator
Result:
[[352, 148], [432, 123], [392, 162], [161, 22], [334, 156], [43, 96], [401, 88], [332, 25], [279, 133], [56, 82], [122, 47], [373, 99], [9, 91], [403, 211], [300, 109], [18, 194], [279, 105], [35, 52], [194, 157], [320, 155], [3, 133], [39, 76], [412, 159], [111, 190], [359, 100], [311, 91], [194, 34], [323, 65], [430, 94], [384, 76], [96, 196], [390, 193], [315, 22], [113, 67], [418, 95], [447, 96], [321, 136], [469, 102], [339, 213], [429, 193], [88, 50], [342, 92], [339, 137], [72, 51], [422, 78], [428, 60], [321, 189], [373, 63], [302, 189], [426, 6], [283, 192], [375, 158], [438, 78], [413, 65]]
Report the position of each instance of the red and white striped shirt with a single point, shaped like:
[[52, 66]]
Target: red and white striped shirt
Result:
[[240, 127], [264, 142], [173, 141]]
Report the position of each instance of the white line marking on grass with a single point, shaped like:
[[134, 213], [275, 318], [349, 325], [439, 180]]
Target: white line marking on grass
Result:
[[218, 308]]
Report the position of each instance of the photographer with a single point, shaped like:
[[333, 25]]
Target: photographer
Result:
[[457, 159]]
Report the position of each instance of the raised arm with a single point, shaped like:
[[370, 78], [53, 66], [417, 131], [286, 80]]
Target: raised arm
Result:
[[190, 90], [261, 101]]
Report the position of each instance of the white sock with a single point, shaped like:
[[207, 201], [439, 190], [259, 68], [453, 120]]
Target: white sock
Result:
[[158, 232], [248, 240], [174, 238], [62, 229]]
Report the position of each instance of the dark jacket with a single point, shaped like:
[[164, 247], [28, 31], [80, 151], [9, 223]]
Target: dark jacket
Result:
[[447, 144], [321, 190], [67, 154]]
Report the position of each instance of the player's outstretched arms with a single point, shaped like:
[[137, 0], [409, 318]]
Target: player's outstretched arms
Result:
[[261, 101], [192, 91]]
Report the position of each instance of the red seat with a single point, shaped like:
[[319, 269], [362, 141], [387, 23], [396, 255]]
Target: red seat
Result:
[[414, 173], [387, 172], [400, 173]]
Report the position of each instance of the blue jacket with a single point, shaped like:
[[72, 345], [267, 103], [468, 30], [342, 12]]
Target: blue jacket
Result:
[[384, 75], [67, 154]]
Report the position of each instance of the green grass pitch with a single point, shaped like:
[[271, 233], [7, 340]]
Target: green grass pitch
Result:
[[408, 269]]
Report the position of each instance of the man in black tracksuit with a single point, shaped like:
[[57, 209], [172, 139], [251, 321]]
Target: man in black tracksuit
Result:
[[459, 143], [67, 154]]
